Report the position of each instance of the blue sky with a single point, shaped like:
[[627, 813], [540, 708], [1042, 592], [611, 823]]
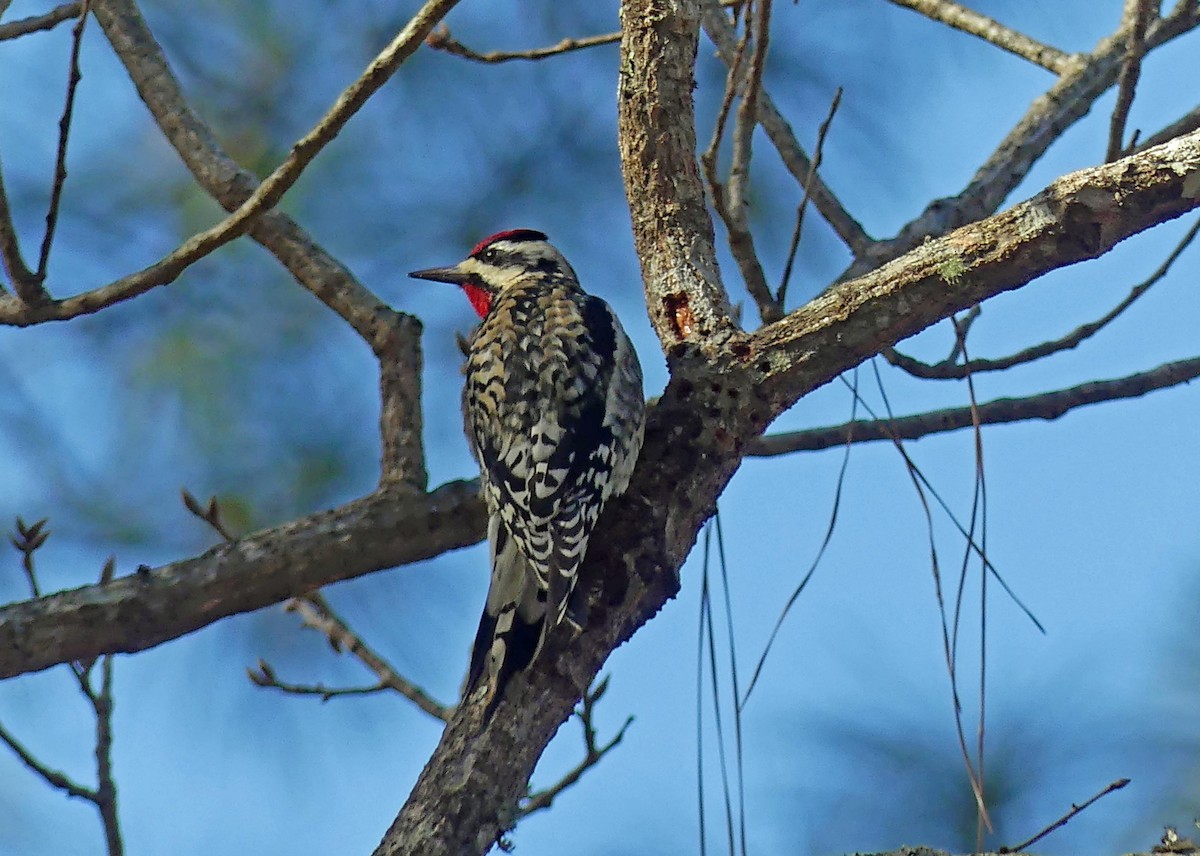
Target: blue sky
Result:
[[233, 382]]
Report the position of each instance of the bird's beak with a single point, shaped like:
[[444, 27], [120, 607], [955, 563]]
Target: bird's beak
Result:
[[442, 274]]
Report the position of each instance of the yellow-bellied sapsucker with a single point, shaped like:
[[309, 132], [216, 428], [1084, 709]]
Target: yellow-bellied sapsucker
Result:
[[554, 414]]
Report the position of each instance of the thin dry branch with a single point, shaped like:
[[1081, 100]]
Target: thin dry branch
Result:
[[22, 278], [262, 198], [1066, 818], [1183, 125], [593, 753], [1046, 406], [316, 614], [1135, 20], [74, 75], [440, 39], [951, 369], [969, 21], [729, 197], [719, 29], [38, 23], [818, 153]]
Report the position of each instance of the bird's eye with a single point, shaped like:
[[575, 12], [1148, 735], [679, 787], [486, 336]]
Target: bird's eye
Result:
[[488, 256]]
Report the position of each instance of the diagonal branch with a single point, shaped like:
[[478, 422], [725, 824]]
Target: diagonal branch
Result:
[[951, 369], [1046, 405], [1047, 118], [116, 16], [37, 23], [22, 278], [721, 32], [969, 21], [1136, 18]]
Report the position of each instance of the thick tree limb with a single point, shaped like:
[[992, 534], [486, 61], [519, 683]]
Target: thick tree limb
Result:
[[657, 128], [720, 398], [1046, 405], [393, 526]]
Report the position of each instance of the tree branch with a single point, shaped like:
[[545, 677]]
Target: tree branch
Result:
[[1046, 405], [120, 17], [316, 614], [1065, 103], [721, 32], [969, 21], [38, 23], [684, 294], [1137, 16], [951, 369], [391, 527], [440, 39]]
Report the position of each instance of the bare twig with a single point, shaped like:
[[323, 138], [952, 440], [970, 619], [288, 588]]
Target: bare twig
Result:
[[52, 777], [729, 198], [1134, 21], [969, 21], [264, 196], [27, 541], [721, 32], [316, 614], [37, 23], [263, 675], [818, 152], [1047, 406], [440, 39], [1062, 821], [210, 513], [1183, 125], [104, 795], [951, 369], [593, 753], [22, 278], [60, 160]]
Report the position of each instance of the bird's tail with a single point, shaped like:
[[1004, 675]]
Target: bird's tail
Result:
[[512, 627]]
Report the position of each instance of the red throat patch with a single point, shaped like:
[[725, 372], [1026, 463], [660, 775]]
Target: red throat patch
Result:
[[481, 300]]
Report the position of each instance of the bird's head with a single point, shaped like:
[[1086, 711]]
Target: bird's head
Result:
[[499, 262]]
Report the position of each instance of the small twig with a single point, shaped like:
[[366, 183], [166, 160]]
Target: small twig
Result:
[[316, 614], [264, 676], [1062, 821], [1185, 124], [969, 21], [723, 35], [1046, 405], [818, 154], [210, 513], [1136, 19], [52, 777], [950, 369], [37, 23], [729, 199], [264, 197], [592, 754], [60, 160], [22, 278], [440, 39], [27, 541], [104, 796]]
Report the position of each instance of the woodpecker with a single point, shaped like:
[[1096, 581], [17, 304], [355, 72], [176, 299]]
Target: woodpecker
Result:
[[554, 414]]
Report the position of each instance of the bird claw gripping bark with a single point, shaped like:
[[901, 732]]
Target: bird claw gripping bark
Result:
[[554, 414]]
